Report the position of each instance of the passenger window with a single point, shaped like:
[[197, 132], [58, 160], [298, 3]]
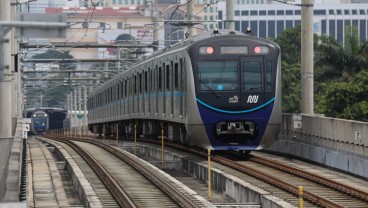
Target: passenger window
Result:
[[252, 76], [146, 81], [269, 82], [176, 76], [160, 79], [140, 83], [167, 77]]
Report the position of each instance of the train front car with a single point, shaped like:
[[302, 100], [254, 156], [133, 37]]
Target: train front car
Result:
[[236, 101], [39, 122]]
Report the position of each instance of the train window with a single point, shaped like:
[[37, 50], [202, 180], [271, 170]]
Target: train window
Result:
[[252, 76], [176, 76], [167, 77], [122, 89], [219, 76], [159, 78], [111, 95], [117, 89], [126, 88], [151, 79], [269, 76], [140, 83], [146, 81], [135, 84], [234, 49]]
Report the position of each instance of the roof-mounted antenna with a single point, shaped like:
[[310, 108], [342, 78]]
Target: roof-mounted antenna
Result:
[[215, 32], [249, 31]]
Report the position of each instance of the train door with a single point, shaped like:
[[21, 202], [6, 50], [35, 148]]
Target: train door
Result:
[[252, 82]]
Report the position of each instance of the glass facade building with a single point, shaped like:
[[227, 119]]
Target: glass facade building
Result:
[[269, 20]]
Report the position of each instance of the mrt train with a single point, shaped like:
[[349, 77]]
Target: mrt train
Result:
[[216, 91], [39, 122]]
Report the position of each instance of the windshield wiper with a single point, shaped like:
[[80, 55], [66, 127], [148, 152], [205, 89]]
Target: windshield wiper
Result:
[[255, 88], [212, 90]]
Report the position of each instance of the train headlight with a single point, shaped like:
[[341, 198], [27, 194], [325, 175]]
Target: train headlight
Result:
[[261, 49], [206, 50]]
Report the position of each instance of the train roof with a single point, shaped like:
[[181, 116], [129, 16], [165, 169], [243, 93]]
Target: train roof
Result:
[[182, 44]]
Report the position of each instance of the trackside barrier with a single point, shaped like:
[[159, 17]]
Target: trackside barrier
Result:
[[346, 131]]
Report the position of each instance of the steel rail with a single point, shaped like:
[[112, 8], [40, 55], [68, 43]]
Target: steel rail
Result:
[[313, 177], [117, 192], [314, 198], [309, 196], [161, 183]]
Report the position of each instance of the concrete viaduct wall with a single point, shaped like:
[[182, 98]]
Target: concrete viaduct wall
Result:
[[338, 143]]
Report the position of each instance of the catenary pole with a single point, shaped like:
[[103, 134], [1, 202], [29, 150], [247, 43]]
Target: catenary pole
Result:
[[307, 85], [5, 74], [230, 23], [190, 8]]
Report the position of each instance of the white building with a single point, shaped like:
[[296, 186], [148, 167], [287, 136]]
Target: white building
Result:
[[271, 20]]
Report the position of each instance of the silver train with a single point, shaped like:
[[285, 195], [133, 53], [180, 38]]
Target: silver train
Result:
[[215, 91], [39, 122]]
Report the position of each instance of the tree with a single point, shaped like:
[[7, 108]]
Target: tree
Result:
[[290, 88], [341, 77], [290, 44], [347, 99], [333, 61]]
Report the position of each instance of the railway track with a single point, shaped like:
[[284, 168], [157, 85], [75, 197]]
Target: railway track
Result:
[[118, 171], [284, 180]]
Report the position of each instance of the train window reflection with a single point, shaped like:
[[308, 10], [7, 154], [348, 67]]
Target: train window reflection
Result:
[[218, 76], [268, 75], [252, 76]]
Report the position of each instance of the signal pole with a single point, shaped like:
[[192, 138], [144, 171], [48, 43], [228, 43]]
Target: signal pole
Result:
[[307, 70]]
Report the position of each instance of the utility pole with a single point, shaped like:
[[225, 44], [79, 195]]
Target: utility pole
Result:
[[155, 42], [85, 106], [75, 107], [307, 70], [5, 74], [190, 8], [230, 24]]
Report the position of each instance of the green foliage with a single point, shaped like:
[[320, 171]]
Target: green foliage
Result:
[[290, 88], [333, 61], [341, 74], [346, 99], [290, 44]]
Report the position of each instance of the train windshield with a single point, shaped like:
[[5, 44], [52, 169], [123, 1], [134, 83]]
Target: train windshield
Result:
[[218, 75], [252, 76], [39, 121]]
